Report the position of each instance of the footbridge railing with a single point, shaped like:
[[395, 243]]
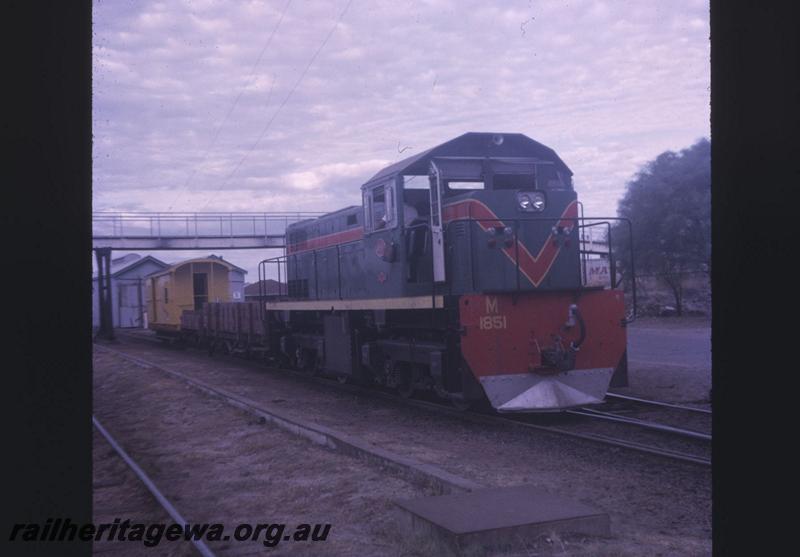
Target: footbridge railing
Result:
[[153, 230]]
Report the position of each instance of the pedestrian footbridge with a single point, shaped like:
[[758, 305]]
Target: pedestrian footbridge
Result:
[[186, 231]]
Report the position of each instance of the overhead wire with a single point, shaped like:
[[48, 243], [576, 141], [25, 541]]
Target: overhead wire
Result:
[[283, 103], [244, 86]]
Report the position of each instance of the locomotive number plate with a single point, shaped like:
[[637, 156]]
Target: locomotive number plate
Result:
[[493, 322]]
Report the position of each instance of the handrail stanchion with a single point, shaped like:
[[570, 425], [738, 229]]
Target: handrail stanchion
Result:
[[280, 287], [339, 270], [316, 279], [611, 262], [633, 271], [516, 251]]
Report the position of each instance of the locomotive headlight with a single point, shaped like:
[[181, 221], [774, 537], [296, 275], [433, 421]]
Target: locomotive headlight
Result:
[[531, 201]]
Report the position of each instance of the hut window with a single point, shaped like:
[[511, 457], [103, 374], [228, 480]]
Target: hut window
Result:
[[166, 296]]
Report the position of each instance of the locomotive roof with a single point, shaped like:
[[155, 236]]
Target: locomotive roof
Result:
[[473, 144]]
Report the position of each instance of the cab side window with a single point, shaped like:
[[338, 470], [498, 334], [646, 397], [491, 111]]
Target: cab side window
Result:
[[379, 208]]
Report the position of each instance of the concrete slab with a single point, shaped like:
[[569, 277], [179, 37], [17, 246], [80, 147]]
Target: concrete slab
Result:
[[495, 519]]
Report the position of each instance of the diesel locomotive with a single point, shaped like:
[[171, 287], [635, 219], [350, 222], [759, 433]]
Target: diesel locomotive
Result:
[[463, 273]]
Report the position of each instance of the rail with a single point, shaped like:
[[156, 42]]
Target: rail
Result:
[[610, 416], [165, 503], [657, 403]]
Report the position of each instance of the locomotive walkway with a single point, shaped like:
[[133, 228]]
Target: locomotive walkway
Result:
[[181, 231]]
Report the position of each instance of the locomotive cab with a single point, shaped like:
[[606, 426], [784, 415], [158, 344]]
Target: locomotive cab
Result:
[[473, 213]]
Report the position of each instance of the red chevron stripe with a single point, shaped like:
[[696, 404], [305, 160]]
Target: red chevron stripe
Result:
[[535, 268]]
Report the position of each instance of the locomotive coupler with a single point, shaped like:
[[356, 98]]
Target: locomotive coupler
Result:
[[557, 358]]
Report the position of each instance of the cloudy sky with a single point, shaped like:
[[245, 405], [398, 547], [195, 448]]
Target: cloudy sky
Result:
[[283, 105]]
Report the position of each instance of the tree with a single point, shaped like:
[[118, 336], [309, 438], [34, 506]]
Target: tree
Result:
[[669, 205]]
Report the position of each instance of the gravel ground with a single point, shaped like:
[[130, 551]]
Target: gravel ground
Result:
[[669, 360], [684, 322], [118, 493], [657, 507], [218, 464], [686, 385]]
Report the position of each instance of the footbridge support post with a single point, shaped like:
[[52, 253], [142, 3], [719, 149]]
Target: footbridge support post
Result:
[[103, 256]]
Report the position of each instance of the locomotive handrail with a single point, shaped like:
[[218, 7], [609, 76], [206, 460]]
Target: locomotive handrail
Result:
[[633, 270], [583, 252], [580, 223], [611, 262], [262, 277], [339, 270]]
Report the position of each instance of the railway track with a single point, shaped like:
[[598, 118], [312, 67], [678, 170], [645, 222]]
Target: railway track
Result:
[[239, 472], [656, 403], [423, 474], [685, 452], [591, 413], [678, 420]]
